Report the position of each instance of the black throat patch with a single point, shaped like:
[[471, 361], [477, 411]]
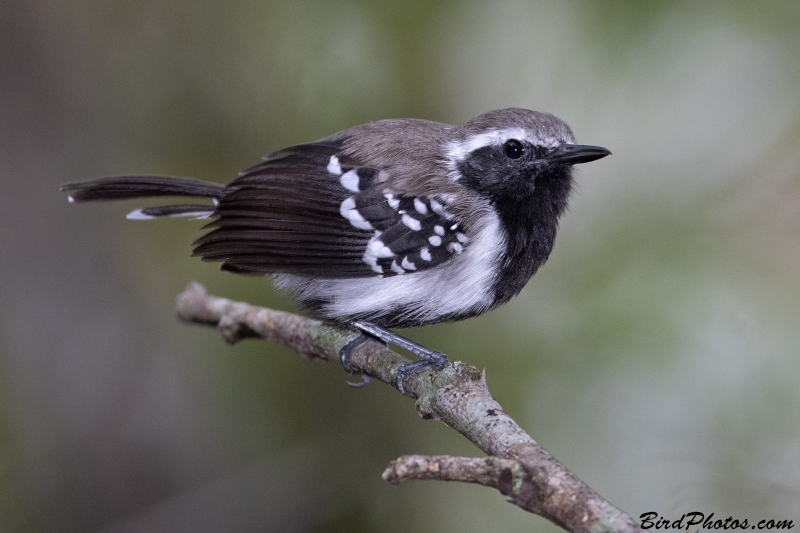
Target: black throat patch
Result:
[[528, 203]]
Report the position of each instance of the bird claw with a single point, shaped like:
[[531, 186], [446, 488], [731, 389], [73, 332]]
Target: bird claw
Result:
[[433, 361], [345, 354], [365, 379]]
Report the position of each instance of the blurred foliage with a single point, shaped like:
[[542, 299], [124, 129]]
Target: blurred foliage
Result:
[[656, 354]]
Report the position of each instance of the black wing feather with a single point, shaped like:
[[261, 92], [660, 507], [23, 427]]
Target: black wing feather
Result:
[[282, 215], [285, 216]]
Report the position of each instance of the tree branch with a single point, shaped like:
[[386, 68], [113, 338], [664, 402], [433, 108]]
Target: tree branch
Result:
[[457, 396], [500, 474]]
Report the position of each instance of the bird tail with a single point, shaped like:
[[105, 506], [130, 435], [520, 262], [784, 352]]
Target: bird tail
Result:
[[128, 187]]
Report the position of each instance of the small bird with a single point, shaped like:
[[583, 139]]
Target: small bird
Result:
[[390, 224]]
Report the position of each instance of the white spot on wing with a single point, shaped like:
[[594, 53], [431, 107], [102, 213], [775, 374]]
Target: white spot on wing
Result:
[[419, 205], [412, 222], [439, 230], [461, 237], [349, 180], [408, 265], [348, 211], [425, 254], [455, 247], [347, 206], [393, 202], [370, 259], [395, 268], [435, 240], [333, 166], [358, 222], [71, 199], [377, 249]]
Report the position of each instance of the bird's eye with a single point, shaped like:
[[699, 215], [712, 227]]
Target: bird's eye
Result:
[[513, 148]]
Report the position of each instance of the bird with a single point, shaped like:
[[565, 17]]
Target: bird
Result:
[[395, 223]]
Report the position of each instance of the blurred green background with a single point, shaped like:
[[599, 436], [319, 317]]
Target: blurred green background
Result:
[[656, 354]]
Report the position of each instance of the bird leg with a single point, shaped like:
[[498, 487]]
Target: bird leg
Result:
[[430, 359]]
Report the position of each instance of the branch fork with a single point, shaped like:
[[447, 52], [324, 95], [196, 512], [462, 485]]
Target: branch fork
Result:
[[458, 396]]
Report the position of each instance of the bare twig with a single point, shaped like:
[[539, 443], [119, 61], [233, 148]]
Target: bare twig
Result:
[[457, 396], [501, 474]]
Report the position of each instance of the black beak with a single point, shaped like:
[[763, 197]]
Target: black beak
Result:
[[571, 154]]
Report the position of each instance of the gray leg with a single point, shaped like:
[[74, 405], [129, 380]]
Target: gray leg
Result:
[[431, 358]]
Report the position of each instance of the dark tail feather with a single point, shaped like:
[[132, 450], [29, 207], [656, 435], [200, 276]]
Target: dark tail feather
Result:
[[148, 213], [124, 187]]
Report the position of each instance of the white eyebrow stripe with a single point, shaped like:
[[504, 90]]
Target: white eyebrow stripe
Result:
[[457, 151]]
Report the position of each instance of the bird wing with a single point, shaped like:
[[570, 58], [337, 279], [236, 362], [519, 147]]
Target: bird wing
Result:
[[312, 211]]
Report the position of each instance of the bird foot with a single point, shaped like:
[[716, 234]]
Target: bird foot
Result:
[[431, 360], [345, 354]]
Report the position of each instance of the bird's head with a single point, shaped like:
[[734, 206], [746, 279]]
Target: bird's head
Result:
[[509, 153]]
